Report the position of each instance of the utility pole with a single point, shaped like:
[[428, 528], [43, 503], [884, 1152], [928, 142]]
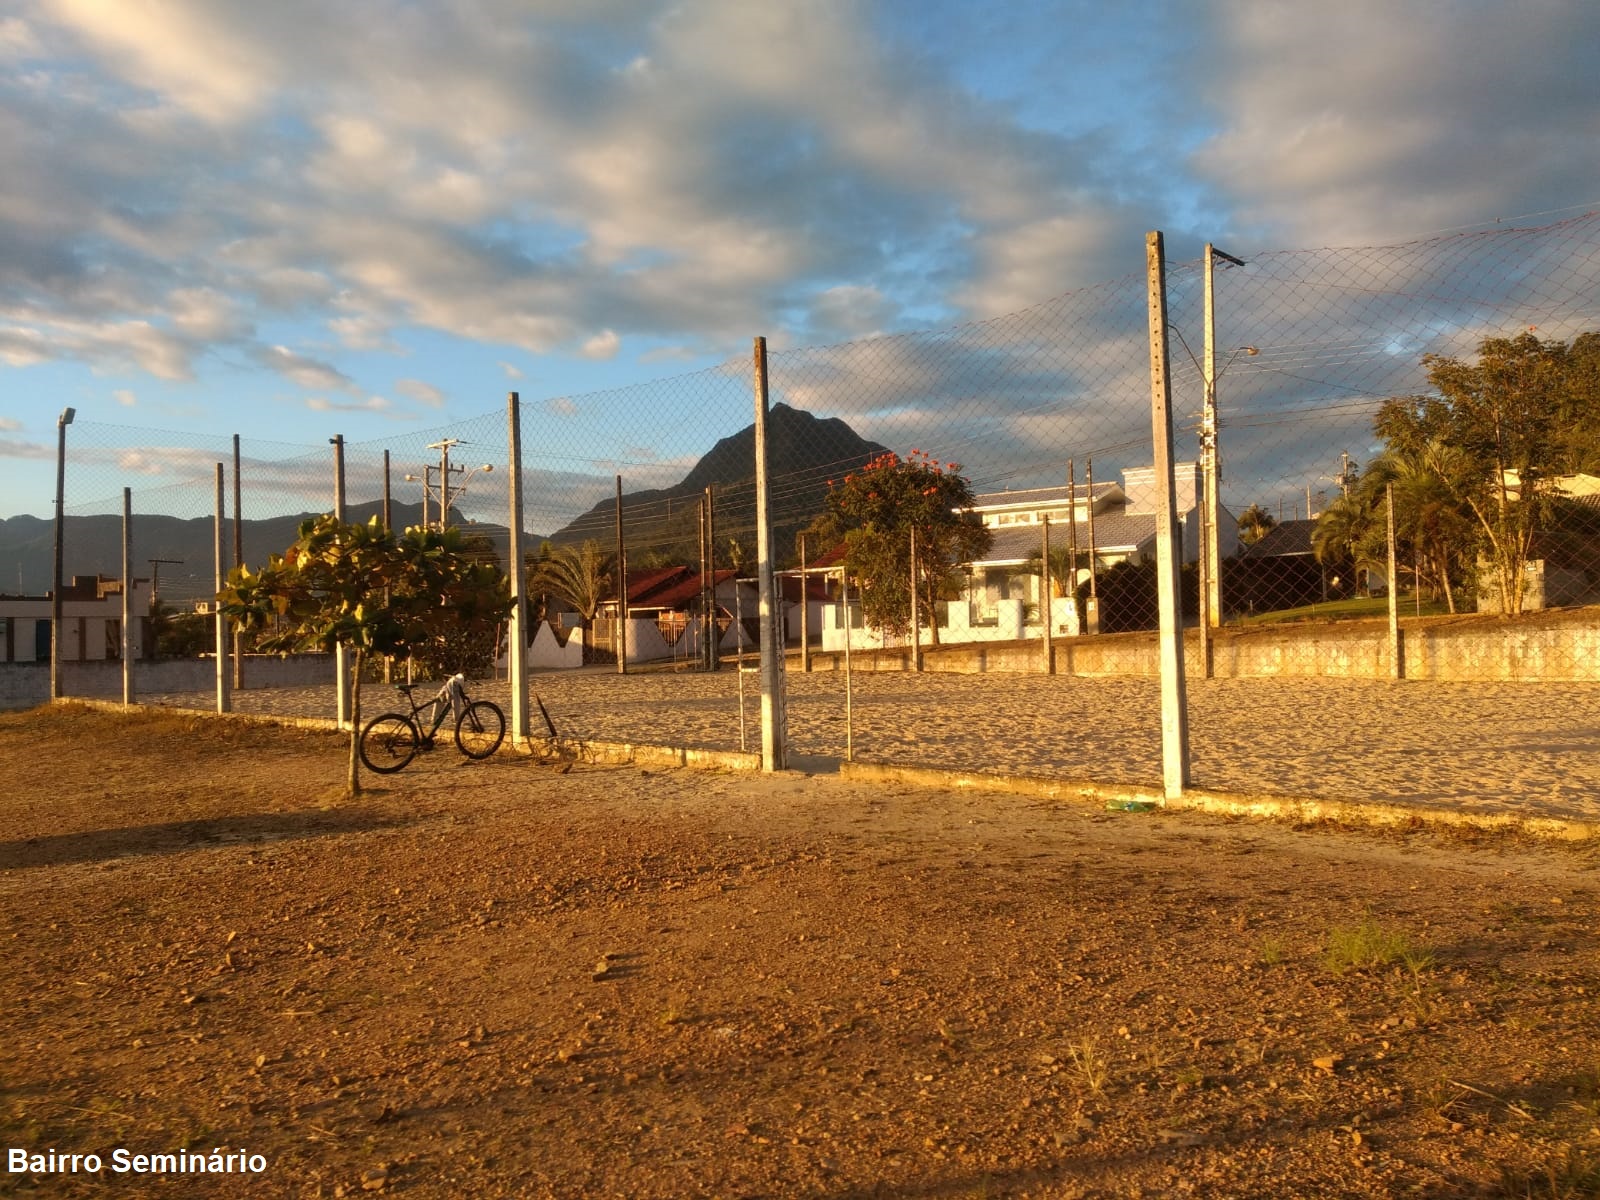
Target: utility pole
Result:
[[1211, 601]]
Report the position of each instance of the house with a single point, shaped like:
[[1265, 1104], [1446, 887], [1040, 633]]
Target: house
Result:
[[1114, 522], [1281, 570], [1563, 563], [1124, 530], [91, 622]]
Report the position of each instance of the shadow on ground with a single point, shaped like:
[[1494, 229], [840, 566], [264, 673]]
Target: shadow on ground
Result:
[[175, 837]]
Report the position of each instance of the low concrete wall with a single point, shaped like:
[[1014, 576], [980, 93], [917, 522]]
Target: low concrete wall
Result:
[[1556, 646], [22, 685]]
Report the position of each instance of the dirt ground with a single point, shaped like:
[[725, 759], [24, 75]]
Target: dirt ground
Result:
[[518, 978]]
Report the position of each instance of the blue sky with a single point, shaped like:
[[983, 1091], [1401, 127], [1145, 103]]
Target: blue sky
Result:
[[293, 219]]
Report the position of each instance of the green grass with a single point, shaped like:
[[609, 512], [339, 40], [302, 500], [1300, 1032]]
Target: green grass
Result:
[[1369, 946], [1354, 609]]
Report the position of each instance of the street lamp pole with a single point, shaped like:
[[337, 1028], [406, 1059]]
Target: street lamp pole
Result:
[[1210, 458], [62, 422]]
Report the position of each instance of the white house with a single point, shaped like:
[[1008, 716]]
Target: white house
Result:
[[91, 622], [1115, 523]]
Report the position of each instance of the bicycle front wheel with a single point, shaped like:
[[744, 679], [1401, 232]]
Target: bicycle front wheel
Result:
[[480, 730], [388, 743]]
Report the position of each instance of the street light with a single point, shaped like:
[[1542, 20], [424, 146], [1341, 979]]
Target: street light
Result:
[[55, 592], [443, 490]]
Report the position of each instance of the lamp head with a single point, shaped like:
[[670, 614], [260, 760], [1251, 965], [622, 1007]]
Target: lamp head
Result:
[[66, 416]]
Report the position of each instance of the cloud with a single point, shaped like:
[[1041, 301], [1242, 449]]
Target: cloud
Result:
[[372, 404], [423, 393], [125, 398], [511, 369], [603, 345], [1371, 121], [306, 372]]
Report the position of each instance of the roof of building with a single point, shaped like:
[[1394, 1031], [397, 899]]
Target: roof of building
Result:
[[1284, 538], [1114, 533], [1034, 497]]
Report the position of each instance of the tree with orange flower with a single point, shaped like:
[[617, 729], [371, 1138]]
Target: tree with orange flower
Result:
[[873, 512]]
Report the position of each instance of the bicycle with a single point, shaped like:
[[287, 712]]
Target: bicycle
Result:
[[389, 742]]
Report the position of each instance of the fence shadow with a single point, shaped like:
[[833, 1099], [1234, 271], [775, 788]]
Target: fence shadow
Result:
[[176, 837]]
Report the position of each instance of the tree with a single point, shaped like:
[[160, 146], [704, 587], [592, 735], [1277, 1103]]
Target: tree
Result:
[[1254, 522], [1351, 530], [579, 576], [874, 512], [360, 587], [1496, 433]]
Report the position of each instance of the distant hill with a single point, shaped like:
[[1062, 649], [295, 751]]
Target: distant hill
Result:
[[804, 453], [93, 545]]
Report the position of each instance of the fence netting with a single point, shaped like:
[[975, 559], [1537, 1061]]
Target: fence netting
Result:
[[1395, 475]]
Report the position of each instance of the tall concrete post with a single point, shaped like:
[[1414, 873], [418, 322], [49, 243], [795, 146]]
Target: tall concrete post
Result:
[[772, 715], [127, 644], [1397, 663], [224, 675], [621, 640], [341, 656], [517, 635], [1174, 712]]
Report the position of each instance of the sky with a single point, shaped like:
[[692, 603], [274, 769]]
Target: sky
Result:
[[375, 218]]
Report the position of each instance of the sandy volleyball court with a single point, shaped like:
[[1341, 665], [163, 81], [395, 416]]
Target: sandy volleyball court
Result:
[[1491, 748]]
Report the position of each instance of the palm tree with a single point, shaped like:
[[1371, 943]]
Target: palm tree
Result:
[[1348, 531], [1254, 522], [577, 576]]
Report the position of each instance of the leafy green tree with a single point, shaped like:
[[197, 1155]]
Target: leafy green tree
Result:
[[874, 511], [1496, 433], [360, 587]]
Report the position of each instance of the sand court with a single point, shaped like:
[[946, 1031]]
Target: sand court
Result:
[[1482, 748]]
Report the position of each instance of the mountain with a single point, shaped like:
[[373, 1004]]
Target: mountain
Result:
[[186, 548], [661, 523], [804, 453]]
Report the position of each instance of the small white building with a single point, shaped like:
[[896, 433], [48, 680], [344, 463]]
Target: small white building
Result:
[[91, 622]]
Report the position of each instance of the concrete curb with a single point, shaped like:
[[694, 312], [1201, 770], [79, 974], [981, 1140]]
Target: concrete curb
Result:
[[1289, 809], [1259, 806]]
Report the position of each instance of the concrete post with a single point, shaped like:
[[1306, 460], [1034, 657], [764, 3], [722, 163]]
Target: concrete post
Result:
[[127, 596], [517, 636], [1174, 714], [621, 640], [341, 655], [773, 750], [1045, 605], [224, 676], [1397, 665]]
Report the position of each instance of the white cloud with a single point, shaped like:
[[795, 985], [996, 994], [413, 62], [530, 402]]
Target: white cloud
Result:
[[304, 371], [423, 393], [9, 425], [603, 345], [125, 398], [1369, 121], [511, 369], [372, 404]]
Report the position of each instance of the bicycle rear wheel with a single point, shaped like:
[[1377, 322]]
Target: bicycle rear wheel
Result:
[[480, 730], [388, 743]]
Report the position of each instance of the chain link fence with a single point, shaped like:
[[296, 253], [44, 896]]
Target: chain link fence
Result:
[[1453, 381]]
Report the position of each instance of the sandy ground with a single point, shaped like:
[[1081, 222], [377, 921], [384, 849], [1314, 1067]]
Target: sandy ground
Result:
[[1491, 748], [500, 980]]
